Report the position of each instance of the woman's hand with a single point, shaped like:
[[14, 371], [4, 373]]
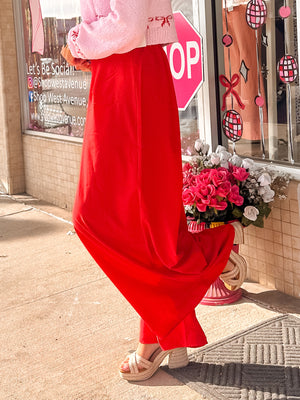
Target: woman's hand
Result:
[[78, 63], [83, 65]]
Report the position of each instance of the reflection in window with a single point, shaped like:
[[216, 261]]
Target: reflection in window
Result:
[[57, 93], [189, 117], [261, 48]]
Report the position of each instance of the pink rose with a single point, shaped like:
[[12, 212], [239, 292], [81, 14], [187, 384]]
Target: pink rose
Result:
[[240, 173], [203, 178], [234, 196], [188, 180], [223, 169], [201, 207], [218, 176], [188, 197], [205, 192], [224, 189], [218, 205], [205, 170], [187, 167]]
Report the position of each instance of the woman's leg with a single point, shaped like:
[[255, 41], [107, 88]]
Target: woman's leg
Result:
[[187, 334], [128, 210]]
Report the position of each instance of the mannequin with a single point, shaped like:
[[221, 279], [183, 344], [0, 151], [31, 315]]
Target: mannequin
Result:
[[244, 48]]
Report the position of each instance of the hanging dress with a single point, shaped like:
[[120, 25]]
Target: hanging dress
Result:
[[128, 210]]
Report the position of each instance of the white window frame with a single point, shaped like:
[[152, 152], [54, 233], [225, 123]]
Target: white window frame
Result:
[[207, 101]]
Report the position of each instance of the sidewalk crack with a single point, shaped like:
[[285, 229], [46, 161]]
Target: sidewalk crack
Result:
[[17, 212]]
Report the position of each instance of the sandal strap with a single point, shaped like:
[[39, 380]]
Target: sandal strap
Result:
[[135, 361]]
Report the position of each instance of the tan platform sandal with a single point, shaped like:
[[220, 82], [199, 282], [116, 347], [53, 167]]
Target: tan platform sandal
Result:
[[142, 369]]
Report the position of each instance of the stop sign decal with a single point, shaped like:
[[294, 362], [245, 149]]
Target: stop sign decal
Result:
[[186, 61]]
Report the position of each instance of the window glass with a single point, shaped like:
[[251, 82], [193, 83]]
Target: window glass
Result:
[[57, 93], [189, 117], [259, 87]]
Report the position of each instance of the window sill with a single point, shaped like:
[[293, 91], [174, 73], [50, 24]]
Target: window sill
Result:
[[53, 136], [293, 171]]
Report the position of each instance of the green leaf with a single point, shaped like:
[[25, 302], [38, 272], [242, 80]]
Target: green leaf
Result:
[[259, 222], [268, 212], [245, 221], [237, 213]]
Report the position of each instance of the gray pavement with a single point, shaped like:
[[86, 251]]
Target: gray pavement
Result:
[[64, 328]]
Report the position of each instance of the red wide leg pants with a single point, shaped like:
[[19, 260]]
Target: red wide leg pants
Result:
[[128, 209]]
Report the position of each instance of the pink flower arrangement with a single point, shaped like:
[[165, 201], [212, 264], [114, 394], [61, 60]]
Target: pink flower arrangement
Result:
[[222, 187], [213, 188]]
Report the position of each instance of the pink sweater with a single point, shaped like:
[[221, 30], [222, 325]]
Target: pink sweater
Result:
[[119, 26]]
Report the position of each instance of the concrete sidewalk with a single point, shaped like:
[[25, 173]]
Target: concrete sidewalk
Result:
[[64, 328]]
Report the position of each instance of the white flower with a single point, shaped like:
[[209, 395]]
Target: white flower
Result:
[[269, 196], [224, 155], [263, 189], [248, 163], [215, 159], [194, 160], [220, 148], [236, 160], [264, 179], [199, 145], [205, 148], [224, 164], [251, 213], [266, 193]]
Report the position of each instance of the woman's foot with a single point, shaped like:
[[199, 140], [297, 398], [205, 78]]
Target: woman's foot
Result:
[[138, 368], [144, 350]]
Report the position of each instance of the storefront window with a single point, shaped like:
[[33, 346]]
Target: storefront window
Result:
[[57, 93], [190, 116], [259, 81]]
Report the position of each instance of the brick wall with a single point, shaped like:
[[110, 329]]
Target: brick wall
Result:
[[51, 169], [273, 253], [11, 152]]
